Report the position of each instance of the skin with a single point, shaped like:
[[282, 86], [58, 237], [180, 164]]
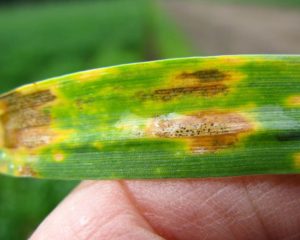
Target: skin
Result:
[[256, 207]]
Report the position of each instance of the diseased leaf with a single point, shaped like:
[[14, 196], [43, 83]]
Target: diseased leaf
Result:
[[177, 118]]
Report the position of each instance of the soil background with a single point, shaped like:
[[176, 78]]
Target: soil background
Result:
[[215, 28]]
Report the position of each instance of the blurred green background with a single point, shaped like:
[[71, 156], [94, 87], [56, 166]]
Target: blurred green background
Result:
[[42, 39], [39, 41]]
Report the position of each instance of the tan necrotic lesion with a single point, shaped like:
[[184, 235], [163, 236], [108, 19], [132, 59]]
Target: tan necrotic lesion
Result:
[[23, 120], [205, 131]]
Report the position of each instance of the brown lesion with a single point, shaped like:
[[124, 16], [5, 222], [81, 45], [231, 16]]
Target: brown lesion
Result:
[[29, 137], [24, 121], [26, 171], [205, 83], [17, 101], [205, 76], [204, 131]]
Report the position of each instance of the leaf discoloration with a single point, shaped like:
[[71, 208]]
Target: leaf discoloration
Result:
[[206, 79], [294, 101], [26, 171], [205, 76], [206, 131], [59, 156], [24, 121], [170, 93], [30, 138], [297, 161], [16, 101], [201, 83], [177, 118]]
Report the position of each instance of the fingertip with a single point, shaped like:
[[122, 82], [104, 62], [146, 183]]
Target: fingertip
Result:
[[95, 210]]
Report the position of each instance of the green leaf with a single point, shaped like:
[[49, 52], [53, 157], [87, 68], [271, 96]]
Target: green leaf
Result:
[[176, 118]]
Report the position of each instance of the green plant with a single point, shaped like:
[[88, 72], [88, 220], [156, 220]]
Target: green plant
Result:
[[180, 118]]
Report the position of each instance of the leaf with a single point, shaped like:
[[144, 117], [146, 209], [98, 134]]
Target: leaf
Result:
[[176, 118]]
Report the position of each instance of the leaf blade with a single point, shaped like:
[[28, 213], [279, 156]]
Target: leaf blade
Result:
[[178, 118]]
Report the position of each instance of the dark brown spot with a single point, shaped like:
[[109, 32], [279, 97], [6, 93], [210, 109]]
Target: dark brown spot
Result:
[[209, 90], [171, 93], [206, 132], [206, 76]]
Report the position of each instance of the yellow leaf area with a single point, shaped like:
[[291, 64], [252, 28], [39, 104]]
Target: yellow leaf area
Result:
[[297, 161], [293, 101]]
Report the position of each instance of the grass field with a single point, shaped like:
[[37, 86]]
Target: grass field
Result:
[[43, 41]]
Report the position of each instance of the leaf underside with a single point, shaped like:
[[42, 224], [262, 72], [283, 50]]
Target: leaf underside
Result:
[[176, 118]]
